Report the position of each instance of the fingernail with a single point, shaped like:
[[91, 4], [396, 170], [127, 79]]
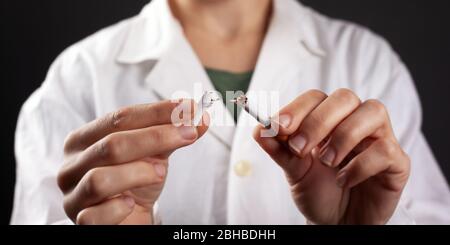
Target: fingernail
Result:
[[129, 201], [187, 132], [297, 143], [341, 179], [160, 169], [284, 120], [328, 156]]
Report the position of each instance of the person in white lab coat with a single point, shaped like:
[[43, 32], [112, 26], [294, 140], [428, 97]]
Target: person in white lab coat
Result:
[[95, 144]]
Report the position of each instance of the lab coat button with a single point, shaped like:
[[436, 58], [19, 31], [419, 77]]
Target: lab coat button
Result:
[[243, 168]]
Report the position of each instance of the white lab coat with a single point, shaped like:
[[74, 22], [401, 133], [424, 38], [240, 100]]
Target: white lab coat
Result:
[[146, 58]]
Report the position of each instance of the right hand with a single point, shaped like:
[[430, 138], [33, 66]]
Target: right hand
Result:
[[115, 166]]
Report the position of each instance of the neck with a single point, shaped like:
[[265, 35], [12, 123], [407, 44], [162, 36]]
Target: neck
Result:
[[223, 18]]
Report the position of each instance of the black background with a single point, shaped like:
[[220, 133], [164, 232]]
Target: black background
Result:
[[33, 33]]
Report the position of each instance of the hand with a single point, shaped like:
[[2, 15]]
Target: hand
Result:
[[342, 160], [115, 166]]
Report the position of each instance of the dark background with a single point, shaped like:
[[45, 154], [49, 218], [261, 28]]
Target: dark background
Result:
[[33, 33]]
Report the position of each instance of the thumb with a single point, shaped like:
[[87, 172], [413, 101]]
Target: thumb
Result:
[[294, 167]]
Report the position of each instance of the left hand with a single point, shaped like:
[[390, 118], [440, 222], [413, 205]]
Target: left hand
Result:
[[341, 158]]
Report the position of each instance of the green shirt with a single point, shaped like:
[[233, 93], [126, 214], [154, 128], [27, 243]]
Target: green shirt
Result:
[[228, 81]]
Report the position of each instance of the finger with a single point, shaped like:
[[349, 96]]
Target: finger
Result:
[[370, 119], [135, 144], [292, 115], [109, 212], [202, 127], [383, 156], [126, 146], [127, 118], [104, 182], [322, 120]]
